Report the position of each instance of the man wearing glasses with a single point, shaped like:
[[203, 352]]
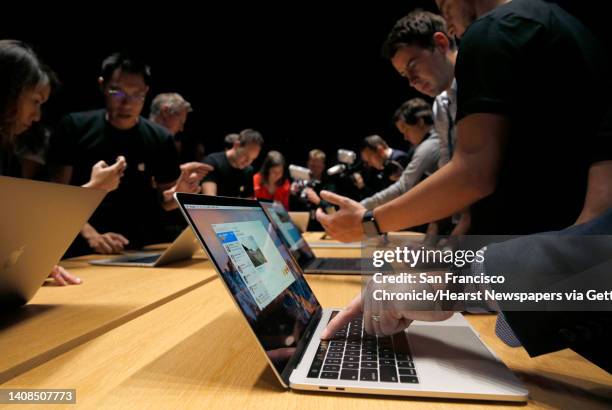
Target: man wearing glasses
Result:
[[129, 216]]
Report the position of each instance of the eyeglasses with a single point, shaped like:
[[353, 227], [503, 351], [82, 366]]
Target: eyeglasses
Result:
[[119, 95]]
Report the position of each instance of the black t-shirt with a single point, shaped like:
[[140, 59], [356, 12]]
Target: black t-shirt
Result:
[[230, 181], [133, 209], [539, 67]]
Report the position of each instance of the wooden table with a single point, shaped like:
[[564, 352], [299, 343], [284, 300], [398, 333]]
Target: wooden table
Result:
[[320, 237], [59, 318], [196, 351]]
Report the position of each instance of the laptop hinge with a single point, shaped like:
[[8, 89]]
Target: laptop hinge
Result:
[[304, 342]]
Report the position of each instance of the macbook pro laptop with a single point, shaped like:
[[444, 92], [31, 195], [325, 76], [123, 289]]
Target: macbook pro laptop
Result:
[[301, 250], [39, 222], [183, 247], [301, 220], [441, 360]]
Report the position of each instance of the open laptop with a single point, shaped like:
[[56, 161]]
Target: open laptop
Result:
[[39, 222], [301, 220], [301, 250], [183, 247], [444, 359]]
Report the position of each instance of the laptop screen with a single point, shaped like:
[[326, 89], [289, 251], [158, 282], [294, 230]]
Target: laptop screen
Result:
[[290, 233], [259, 272]]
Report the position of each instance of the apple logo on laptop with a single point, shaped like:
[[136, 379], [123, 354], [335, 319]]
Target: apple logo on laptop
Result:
[[13, 258]]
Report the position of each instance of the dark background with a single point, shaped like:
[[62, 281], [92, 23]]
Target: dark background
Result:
[[307, 74]]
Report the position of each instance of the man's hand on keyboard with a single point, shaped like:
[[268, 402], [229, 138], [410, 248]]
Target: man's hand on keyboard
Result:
[[380, 318]]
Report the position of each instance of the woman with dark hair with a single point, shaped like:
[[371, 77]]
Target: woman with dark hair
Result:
[[270, 182], [25, 85]]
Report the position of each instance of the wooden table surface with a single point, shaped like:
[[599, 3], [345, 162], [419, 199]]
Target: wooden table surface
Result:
[[60, 318], [187, 346]]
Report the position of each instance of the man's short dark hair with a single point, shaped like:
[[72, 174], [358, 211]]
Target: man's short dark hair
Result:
[[412, 110], [415, 29], [373, 142], [126, 63], [250, 136]]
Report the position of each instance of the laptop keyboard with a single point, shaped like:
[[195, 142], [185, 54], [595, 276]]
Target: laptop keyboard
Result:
[[349, 264], [354, 355], [145, 259]]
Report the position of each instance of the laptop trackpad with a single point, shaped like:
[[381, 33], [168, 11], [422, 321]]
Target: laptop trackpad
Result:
[[446, 343], [458, 349]]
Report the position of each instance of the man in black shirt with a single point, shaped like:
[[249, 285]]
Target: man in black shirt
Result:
[[536, 68], [233, 173], [131, 214]]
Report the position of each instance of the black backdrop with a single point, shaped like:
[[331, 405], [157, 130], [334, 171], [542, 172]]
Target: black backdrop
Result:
[[306, 74]]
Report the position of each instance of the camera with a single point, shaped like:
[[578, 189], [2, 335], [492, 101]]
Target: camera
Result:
[[346, 159], [299, 173], [346, 174], [302, 179]]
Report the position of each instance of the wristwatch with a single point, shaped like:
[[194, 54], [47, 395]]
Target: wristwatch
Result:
[[370, 226]]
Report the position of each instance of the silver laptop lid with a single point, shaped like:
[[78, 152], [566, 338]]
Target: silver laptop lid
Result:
[[259, 272], [39, 221], [290, 234]]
